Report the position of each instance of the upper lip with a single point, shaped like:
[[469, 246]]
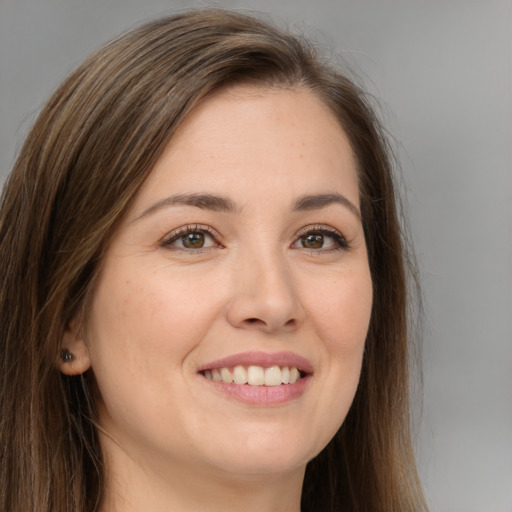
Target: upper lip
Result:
[[263, 359]]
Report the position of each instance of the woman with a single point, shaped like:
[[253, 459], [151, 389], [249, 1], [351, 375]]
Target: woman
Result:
[[203, 300]]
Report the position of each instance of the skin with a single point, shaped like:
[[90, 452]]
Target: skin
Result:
[[161, 310]]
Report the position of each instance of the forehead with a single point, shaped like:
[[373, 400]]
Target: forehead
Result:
[[250, 141]]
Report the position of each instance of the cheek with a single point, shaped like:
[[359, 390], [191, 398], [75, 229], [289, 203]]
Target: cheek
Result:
[[140, 332], [341, 321], [342, 313], [139, 320], [340, 317]]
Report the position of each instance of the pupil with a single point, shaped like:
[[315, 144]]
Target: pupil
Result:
[[313, 241], [193, 240]]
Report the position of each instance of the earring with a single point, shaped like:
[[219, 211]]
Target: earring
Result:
[[66, 355]]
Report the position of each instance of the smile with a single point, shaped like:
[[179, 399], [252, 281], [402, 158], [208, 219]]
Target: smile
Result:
[[259, 378], [255, 375]]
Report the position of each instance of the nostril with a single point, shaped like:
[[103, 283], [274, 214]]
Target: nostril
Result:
[[258, 322], [254, 320]]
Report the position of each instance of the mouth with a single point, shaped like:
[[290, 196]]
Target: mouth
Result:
[[259, 377], [254, 375]]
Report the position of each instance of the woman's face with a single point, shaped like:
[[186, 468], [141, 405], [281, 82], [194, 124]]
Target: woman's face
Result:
[[242, 257]]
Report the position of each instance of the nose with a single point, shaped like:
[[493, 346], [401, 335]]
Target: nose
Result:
[[265, 295]]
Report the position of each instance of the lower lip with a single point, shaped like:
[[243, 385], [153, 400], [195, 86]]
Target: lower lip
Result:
[[262, 396]]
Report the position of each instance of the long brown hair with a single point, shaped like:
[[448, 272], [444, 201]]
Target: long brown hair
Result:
[[91, 148]]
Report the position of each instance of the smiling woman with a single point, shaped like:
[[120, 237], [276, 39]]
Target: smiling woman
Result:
[[204, 294]]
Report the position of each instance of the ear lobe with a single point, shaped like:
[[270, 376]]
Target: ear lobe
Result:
[[74, 357]]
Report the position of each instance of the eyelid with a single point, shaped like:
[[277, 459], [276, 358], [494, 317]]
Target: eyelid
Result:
[[341, 242], [177, 233]]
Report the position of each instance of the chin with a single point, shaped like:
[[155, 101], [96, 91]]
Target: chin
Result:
[[268, 453]]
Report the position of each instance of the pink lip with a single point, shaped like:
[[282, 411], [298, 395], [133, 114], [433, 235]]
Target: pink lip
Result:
[[264, 359], [261, 395]]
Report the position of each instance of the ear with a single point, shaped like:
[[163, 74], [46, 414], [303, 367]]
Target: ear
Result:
[[74, 357]]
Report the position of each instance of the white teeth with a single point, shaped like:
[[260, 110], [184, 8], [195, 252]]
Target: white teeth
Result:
[[226, 376], [254, 375], [240, 375], [294, 375], [273, 376]]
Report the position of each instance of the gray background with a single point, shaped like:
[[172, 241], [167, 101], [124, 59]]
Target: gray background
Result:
[[442, 72]]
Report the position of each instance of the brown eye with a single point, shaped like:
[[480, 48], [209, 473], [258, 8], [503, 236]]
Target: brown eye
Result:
[[312, 241], [320, 239], [193, 240]]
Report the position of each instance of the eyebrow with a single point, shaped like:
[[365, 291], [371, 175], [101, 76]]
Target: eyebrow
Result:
[[203, 201], [317, 201], [217, 203]]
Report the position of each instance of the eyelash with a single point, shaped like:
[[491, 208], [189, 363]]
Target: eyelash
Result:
[[186, 230], [340, 242]]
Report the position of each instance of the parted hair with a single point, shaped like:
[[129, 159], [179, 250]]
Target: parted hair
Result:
[[90, 150]]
